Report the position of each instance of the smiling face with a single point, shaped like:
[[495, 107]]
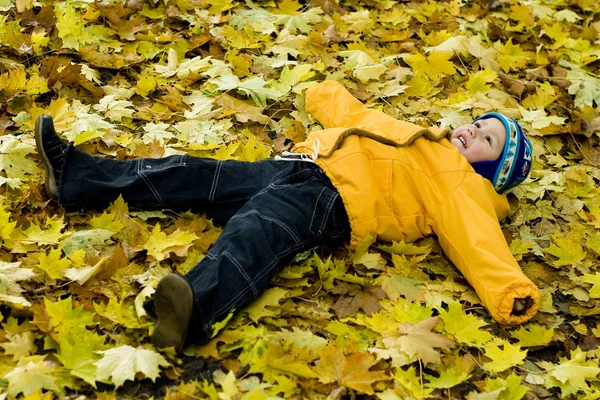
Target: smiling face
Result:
[[482, 140]]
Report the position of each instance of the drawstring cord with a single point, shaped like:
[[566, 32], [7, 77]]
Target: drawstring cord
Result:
[[291, 156]]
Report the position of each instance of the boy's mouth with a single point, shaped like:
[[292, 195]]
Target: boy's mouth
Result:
[[462, 140]]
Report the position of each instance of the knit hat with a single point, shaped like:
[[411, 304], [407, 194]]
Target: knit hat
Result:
[[514, 164]]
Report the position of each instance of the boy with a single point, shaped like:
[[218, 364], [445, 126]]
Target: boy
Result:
[[368, 172]]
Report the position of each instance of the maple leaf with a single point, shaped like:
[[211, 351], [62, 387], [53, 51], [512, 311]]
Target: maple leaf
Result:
[[10, 274], [85, 240], [270, 298], [114, 109], [478, 82], [584, 86], [78, 351], [242, 110], [64, 318], [291, 77], [511, 56], [120, 312], [418, 342], [271, 359], [13, 157], [570, 375], [595, 280], [509, 356], [464, 327], [20, 345], [536, 335], [356, 298], [50, 234], [447, 379], [122, 363], [409, 384], [71, 29], [52, 263], [160, 245], [509, 389], [567, 250], [435, 66], [32, 374], [352, 371]]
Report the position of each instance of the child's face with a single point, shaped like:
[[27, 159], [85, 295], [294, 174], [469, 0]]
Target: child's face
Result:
[[482, 140]]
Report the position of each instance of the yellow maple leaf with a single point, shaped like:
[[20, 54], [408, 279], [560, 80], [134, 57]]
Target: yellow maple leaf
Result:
[[52, 263], [512, 56], [566, 249], [159, 244], [478, 82], [435, 66], [504, 356], [270, 297], [50, 233], [352, 371], [536, 335], [464, 327], [594, 279]]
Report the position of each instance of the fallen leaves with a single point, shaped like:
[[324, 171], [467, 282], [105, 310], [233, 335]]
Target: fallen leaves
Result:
[[226, 80]]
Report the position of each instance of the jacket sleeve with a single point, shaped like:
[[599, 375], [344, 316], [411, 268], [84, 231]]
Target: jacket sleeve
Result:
[[471, 238], [334, 106]]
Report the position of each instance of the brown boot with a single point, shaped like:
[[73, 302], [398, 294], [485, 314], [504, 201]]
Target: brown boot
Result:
[[52, 149], [173, 304]]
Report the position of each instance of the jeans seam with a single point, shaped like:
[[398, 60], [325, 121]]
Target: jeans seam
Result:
[[213, 188], [327, 213], [139, 170], [242, 272], [262, 272], [312, 219], [274, 220]]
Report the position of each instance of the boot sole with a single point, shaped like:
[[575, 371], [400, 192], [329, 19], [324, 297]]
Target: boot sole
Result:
[[49, 181], [173, 302]]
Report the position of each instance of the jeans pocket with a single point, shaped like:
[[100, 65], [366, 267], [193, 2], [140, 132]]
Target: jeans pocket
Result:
[[301, 177]]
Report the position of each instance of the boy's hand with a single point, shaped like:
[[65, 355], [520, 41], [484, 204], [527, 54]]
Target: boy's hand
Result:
[[521, 306]]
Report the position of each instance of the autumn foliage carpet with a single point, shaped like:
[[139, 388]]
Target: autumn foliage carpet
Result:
[[225, 79]]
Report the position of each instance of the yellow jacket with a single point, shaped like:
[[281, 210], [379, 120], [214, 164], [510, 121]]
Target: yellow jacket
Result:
[[403, 182]]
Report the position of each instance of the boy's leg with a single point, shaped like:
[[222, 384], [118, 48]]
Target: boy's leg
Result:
[[290, 216], [180, 183]]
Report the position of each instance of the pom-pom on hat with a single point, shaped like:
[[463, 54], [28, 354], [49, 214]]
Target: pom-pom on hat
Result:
[[514, 164]]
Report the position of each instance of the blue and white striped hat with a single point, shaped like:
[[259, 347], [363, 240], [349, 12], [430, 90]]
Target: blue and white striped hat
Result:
[[514, 164]]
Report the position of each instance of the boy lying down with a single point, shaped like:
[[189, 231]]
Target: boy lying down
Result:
[[366, 172]]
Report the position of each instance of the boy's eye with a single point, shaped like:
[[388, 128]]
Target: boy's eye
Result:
[[489, 139], [477, 124]]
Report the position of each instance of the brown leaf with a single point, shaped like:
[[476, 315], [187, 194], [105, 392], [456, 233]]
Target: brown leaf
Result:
[[514, 86], [173, 99], [352, 371], [356, 298], [242, 110], [152, 150], [113, 61]]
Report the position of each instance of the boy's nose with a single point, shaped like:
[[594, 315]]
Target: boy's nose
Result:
[[471, 130]]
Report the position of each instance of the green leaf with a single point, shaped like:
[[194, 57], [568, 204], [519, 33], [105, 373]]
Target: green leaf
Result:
[[447, 379], [464, 327], [536, 335]]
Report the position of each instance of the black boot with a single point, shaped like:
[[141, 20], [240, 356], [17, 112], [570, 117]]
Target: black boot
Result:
[[52, 149], [173, 305]]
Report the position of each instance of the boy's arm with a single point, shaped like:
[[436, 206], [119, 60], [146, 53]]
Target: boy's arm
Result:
[[471, 238], [333, 106]]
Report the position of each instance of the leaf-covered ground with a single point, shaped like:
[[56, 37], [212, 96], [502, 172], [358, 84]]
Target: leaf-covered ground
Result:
[[225, 79]]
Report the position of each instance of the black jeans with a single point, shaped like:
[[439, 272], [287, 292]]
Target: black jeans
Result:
[[272, 210]]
